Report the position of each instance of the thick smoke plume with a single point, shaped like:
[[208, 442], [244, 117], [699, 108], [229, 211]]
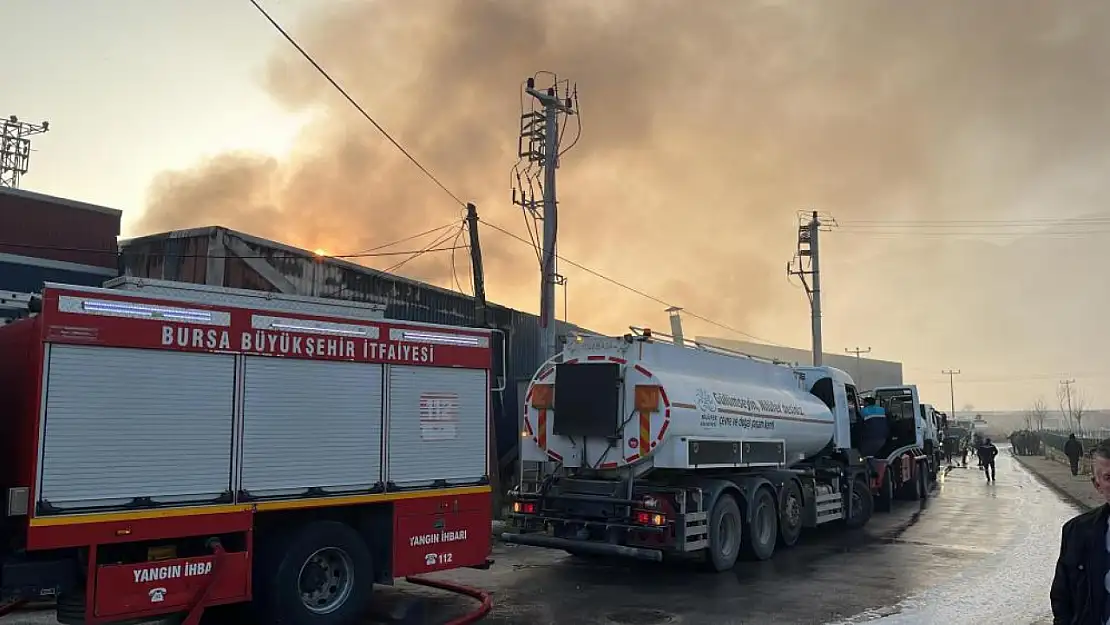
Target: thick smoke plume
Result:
[[706, 125]]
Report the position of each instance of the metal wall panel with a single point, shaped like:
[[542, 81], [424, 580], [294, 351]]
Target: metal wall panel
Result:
[[437, 421], [123, 424], [29, 278], [58, 229], [310, 424]]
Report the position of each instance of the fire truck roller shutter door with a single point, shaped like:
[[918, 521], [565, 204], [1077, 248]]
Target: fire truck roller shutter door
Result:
[[310, 424], [437, 419], [122, 424]]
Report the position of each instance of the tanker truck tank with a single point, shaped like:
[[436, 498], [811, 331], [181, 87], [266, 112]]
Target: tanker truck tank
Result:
[[611, 403], [637, 447]]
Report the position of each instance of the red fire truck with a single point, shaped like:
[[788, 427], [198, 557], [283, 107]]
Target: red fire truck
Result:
[[164, 449]]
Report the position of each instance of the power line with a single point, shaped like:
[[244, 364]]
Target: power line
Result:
[[409, 238], [353, 103], [459, 201], [1008, 228], [1013, 379], [638, 291], [980, 222], [430, 247]]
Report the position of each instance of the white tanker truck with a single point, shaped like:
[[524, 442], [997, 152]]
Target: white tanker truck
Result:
[[637, 447]]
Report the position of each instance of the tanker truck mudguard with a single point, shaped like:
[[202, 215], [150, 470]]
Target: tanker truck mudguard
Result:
[[168, 448], [639, 447]]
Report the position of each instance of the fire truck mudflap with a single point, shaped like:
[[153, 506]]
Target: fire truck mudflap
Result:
[[171, 452]]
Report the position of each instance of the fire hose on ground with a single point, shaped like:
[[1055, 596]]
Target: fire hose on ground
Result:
[[485, 599]]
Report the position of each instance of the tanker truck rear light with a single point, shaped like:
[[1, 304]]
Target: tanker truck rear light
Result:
[[542, 396], [650, 518], [647, 398], [524, 507]]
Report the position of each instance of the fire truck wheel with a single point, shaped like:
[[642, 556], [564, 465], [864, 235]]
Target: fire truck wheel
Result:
[[725, 527], [762, 528], [790, 514], [324, 575]]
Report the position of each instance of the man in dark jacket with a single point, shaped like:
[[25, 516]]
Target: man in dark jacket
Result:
[[1079, 590], [987, 453], [1073, 449]]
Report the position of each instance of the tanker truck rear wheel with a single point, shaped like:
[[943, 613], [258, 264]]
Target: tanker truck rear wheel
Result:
[[924, 479], [862, 504], [725, 530], [790, 514], [762, 528]]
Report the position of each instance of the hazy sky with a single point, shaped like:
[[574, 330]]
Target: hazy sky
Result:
[[704, 130]]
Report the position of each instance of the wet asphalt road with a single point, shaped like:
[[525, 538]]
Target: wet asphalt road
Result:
[[974, 552]]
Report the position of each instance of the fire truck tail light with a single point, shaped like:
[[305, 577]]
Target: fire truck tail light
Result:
[[524, 507], [19, 499], [650, 518], [126, 309]]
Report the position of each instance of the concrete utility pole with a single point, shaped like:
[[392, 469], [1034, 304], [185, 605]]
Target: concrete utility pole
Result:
[[552, 108], [859, 365], [952, 373], [15, 148], [481, 316], [808, 230], [1067, 391]]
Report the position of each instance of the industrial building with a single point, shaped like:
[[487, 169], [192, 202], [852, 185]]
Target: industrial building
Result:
[[867, 372], [218, 256], [52, 239]]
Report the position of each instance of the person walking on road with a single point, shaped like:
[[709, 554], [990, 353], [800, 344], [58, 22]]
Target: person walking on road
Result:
[[987, 454], [1082, 580], [1073, 449]]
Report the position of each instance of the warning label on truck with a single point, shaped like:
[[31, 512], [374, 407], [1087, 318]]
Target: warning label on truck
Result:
[[439, 416]]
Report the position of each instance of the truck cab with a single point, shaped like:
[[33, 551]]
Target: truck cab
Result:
[[910, 450], [933, 434], [838, 391], [904, 411]]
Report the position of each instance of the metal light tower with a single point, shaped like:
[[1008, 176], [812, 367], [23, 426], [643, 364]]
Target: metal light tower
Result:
[[543, 147], [15, 148]]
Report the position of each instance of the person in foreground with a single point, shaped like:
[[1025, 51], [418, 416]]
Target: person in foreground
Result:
[[1082, 582]]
